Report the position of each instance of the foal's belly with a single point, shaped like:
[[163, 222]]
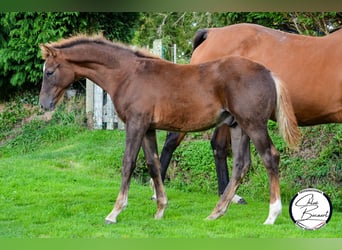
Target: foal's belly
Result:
[[189, 118]]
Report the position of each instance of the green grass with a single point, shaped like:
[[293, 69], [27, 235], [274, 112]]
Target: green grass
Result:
[[65, 188]]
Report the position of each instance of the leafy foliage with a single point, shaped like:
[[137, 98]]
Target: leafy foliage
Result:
[[24, 129], [14, 112], [22, 32], [179, 27]]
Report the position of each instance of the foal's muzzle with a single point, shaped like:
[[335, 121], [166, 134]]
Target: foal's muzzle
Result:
[[46, 103]]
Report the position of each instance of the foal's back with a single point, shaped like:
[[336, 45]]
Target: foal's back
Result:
[[201, 96]]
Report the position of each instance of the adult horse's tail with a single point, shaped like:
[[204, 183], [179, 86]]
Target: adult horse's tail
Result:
[[199, 38], [285, 116]]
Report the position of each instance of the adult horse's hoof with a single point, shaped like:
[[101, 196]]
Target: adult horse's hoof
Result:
[[239, 200], [242, 201]]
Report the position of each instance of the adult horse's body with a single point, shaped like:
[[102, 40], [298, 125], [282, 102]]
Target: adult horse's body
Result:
[[151, 93], [311, 68]]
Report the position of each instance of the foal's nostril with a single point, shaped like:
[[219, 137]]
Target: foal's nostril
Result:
[[47, 107], [52, 106]]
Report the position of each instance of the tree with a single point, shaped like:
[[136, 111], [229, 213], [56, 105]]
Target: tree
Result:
[[315, 23], [22, 32]]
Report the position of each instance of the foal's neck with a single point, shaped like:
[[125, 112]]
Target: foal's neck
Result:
[[105, 65]]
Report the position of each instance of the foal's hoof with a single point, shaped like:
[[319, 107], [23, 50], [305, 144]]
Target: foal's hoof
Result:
[[213, 216], [158, 216], [109, 221]]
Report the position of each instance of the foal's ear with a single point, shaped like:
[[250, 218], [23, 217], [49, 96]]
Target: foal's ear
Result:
[[47, 51]]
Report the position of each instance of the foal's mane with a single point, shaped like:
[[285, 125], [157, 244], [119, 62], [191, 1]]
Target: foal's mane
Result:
[[98, 39]]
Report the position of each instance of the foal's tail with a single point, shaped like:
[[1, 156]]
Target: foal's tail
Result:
[[285, 116]]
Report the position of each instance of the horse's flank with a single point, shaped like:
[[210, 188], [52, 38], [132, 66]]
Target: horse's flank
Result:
[[309, 66]]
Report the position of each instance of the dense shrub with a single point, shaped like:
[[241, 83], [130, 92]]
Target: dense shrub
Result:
[[37, 129], [21, 33]]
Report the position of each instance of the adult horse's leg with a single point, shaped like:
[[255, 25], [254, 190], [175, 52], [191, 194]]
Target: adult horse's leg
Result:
[[152, 160], [134, 134], [171, 143], [220, 143], [241, 163]]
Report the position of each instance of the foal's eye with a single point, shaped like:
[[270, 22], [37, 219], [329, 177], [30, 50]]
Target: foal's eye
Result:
[[49, 73]]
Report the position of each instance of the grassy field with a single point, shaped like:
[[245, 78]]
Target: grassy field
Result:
[[64, 188]]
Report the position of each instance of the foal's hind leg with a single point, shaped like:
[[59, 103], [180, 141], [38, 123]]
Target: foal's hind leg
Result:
[[153, 163], [171, 143], [241, 163], [270, 157], [220, 145]]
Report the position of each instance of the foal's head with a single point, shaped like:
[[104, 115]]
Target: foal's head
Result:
[[57, 76]]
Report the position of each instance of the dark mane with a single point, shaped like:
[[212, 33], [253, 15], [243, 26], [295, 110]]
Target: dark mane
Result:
[[99, 39], [79, 40]]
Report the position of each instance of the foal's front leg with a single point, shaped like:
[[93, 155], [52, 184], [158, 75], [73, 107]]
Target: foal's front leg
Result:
[[171, 143], [134, 137]]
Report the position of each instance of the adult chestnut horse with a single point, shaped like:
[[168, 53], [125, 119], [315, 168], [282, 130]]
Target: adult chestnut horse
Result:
[[150, 93], [311, 68]]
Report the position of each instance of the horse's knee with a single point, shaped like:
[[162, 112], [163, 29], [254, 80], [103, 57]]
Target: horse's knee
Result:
[[273, 159], [153, 168], [241, 167], [246, 164], [247, 161], [275, 155]]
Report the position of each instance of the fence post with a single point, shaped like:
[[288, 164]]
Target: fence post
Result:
[[109, 113], [157, 47], [98, 107], [175, 53], [90, 103]]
